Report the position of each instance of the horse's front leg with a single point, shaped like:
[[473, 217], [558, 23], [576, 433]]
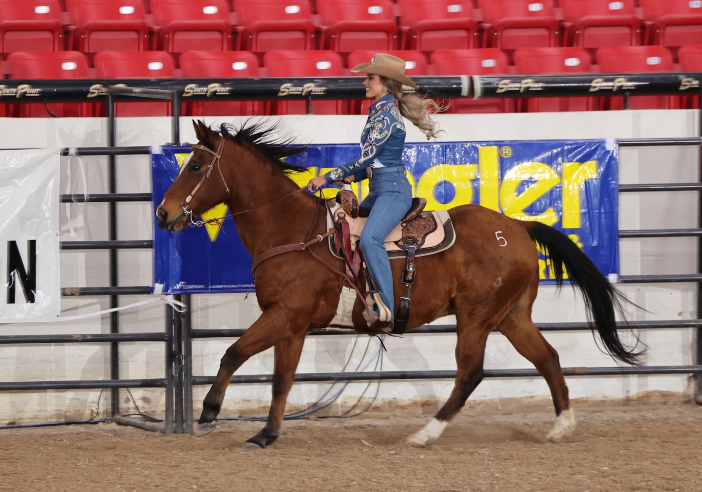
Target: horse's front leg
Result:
[[273, 326], [287, 356]]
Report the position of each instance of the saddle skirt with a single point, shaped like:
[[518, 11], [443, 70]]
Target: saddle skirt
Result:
[[432, 232]]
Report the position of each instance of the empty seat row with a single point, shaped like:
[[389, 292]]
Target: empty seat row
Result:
[[344, 26], [488, 61]]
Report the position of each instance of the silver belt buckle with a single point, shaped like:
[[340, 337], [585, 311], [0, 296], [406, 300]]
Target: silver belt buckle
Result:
[[369, 172]]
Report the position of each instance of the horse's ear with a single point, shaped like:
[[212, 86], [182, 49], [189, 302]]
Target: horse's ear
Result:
[[199, 130], [204, 133]]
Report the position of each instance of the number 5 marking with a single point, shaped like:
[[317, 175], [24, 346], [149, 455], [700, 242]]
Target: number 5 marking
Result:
[[500, 238]]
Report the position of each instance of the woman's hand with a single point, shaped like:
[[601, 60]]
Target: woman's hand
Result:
[[316, 183]]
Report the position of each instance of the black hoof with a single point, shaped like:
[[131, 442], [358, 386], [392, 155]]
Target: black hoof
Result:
[[261, 440], [251, 445], [209, 414], [202, 429]]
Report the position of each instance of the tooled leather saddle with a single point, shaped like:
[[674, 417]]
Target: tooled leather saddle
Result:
[[420, 233]]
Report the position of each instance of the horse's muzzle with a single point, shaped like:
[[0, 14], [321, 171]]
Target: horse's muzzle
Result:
[[174, 225]]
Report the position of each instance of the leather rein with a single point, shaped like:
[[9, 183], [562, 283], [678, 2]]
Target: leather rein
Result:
[[278, 250]]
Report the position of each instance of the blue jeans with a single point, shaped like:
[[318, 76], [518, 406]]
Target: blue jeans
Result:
[[389, 200]]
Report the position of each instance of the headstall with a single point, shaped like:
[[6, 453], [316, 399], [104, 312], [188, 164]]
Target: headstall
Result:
[[216, 158]]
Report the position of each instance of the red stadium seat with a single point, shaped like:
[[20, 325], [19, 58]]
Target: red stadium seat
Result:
[[136, 64], [49, 65], [512, 24], [305, 64], [276, 25], [358, 25], [632, 59], [487, 61], [415, 64], [219, 64], [690, 58], [554, 61], [431, 25], [192, 25], [30, 25], [593, 24], [673, 23], [109, 25]]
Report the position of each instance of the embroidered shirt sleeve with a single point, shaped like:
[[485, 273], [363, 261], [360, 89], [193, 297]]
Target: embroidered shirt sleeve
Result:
[[384, 120]]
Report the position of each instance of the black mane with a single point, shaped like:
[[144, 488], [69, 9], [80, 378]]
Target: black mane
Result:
[[262, 135]]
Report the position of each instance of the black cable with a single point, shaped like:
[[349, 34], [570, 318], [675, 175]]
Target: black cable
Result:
[[139, 412]]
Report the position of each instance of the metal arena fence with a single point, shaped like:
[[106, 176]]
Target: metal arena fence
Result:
[[178, 379]]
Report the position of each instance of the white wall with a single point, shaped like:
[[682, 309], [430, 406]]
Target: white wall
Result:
[[329, 354]]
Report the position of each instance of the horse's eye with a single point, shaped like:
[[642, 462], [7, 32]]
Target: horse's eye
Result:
[[195, 167]]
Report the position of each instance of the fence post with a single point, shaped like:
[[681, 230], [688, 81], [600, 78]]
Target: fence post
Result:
[[698, 377]]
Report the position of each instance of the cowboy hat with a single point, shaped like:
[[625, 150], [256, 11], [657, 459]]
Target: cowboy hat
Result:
[[388, 66]]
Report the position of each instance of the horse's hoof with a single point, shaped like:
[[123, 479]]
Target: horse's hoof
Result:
[[204, 428], [565, 425], [415, 444], [251, 445]]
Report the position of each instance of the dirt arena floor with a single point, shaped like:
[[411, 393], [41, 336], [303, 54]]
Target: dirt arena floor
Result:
[[616, 447]]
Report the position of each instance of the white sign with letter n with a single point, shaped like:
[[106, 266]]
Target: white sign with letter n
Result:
[[29, 236]]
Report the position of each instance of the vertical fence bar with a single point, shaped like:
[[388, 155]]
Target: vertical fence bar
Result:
[[114, 300], [170, 366], [187, 367], [176, 327], [175, 120], [698, 377]]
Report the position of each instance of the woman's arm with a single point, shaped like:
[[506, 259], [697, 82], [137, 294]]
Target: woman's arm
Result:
[[380, 127]]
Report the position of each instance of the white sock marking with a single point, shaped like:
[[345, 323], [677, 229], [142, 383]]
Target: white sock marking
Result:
[[430, 433], [565, 425]]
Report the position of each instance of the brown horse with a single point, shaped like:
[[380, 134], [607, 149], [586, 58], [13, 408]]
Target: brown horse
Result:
[[484, 284]]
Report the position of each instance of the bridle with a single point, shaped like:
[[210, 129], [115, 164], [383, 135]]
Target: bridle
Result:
[[216, 158]]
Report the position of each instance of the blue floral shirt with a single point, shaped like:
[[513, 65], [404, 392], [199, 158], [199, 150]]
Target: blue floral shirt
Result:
[[383, 138]]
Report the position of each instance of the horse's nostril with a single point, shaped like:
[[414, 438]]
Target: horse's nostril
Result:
[[161, 214]]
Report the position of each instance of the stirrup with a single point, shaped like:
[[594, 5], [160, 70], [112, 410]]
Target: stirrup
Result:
[[383, 314]]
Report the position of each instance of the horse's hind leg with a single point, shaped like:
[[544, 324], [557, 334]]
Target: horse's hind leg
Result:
[[519, 329], [287, 356], [470, 353]]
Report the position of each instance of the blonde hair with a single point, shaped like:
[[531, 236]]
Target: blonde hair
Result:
[[416, 109]]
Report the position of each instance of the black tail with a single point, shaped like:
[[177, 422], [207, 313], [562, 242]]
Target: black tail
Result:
[[601, 298]]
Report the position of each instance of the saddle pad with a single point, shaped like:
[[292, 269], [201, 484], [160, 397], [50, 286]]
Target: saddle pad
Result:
[[439, 240]]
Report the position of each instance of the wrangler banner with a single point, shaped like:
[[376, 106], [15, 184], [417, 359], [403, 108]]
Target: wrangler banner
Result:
[[29, 235], [570, 185]]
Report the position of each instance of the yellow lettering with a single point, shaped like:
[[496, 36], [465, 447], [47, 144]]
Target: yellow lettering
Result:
[[285, 89], [460, 175], [574, 175], [489, 178], [513, 205], [542, 269], [301, 179], [189, 90]]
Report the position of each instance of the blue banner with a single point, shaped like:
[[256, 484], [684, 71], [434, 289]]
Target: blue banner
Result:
[[570, 185]]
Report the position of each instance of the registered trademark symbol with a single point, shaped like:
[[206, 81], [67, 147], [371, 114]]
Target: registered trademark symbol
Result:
[[506, 151]]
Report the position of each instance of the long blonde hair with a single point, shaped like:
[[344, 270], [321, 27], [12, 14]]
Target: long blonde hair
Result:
[[416, 109]]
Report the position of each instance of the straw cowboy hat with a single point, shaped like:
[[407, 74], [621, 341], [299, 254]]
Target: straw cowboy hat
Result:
[[388, 66]]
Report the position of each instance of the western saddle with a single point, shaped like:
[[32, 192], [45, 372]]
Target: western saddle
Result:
[[420, 233]]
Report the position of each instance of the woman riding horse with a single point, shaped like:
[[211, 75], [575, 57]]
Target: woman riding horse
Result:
[[382, 141]]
